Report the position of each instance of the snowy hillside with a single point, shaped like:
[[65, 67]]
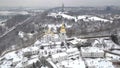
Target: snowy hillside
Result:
[[80, 17], [92, 18], [13, 12]]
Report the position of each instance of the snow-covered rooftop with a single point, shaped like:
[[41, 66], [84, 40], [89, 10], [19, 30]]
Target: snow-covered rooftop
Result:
[[74, 42], [99, 63], [78, 40], [72, 50], [30, 49], [112, 57], [13, 56], [59, 55], [10, 58], [30, 62], [37, 42], [91, 49], [78, 63], [33, 61]]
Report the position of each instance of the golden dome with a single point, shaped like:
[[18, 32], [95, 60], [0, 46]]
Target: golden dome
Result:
[[49, 32], [62, 29]]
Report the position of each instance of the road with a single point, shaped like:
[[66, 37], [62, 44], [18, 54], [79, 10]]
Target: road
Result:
[[14, 27]]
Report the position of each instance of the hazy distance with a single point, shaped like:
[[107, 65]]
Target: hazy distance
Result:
[[56, 3]]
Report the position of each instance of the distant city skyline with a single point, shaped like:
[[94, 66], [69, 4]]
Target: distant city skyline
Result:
[[56, 3]]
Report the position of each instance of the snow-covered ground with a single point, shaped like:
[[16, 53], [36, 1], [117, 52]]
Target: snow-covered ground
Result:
[[13, 12], [69, 17], [92, 18], [108, 44], [9, 58], [1, 22], [111, 57], [16, 57], [65, 57], [98, 63], [80, 17], [92, 52], [78, 63]]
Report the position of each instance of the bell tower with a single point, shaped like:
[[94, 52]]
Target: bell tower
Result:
[[63, 32]]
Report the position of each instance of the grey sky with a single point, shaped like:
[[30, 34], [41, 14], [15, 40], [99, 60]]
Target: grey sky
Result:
[[54, 3]]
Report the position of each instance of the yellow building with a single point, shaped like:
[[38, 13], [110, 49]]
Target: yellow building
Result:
[[62, 29], [49, 32], [48, 35], [63, 33]]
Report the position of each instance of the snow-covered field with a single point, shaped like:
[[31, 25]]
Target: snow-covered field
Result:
[[79, 17], [13, 12]]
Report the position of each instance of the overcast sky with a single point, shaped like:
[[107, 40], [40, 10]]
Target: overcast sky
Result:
[[55, 3]]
